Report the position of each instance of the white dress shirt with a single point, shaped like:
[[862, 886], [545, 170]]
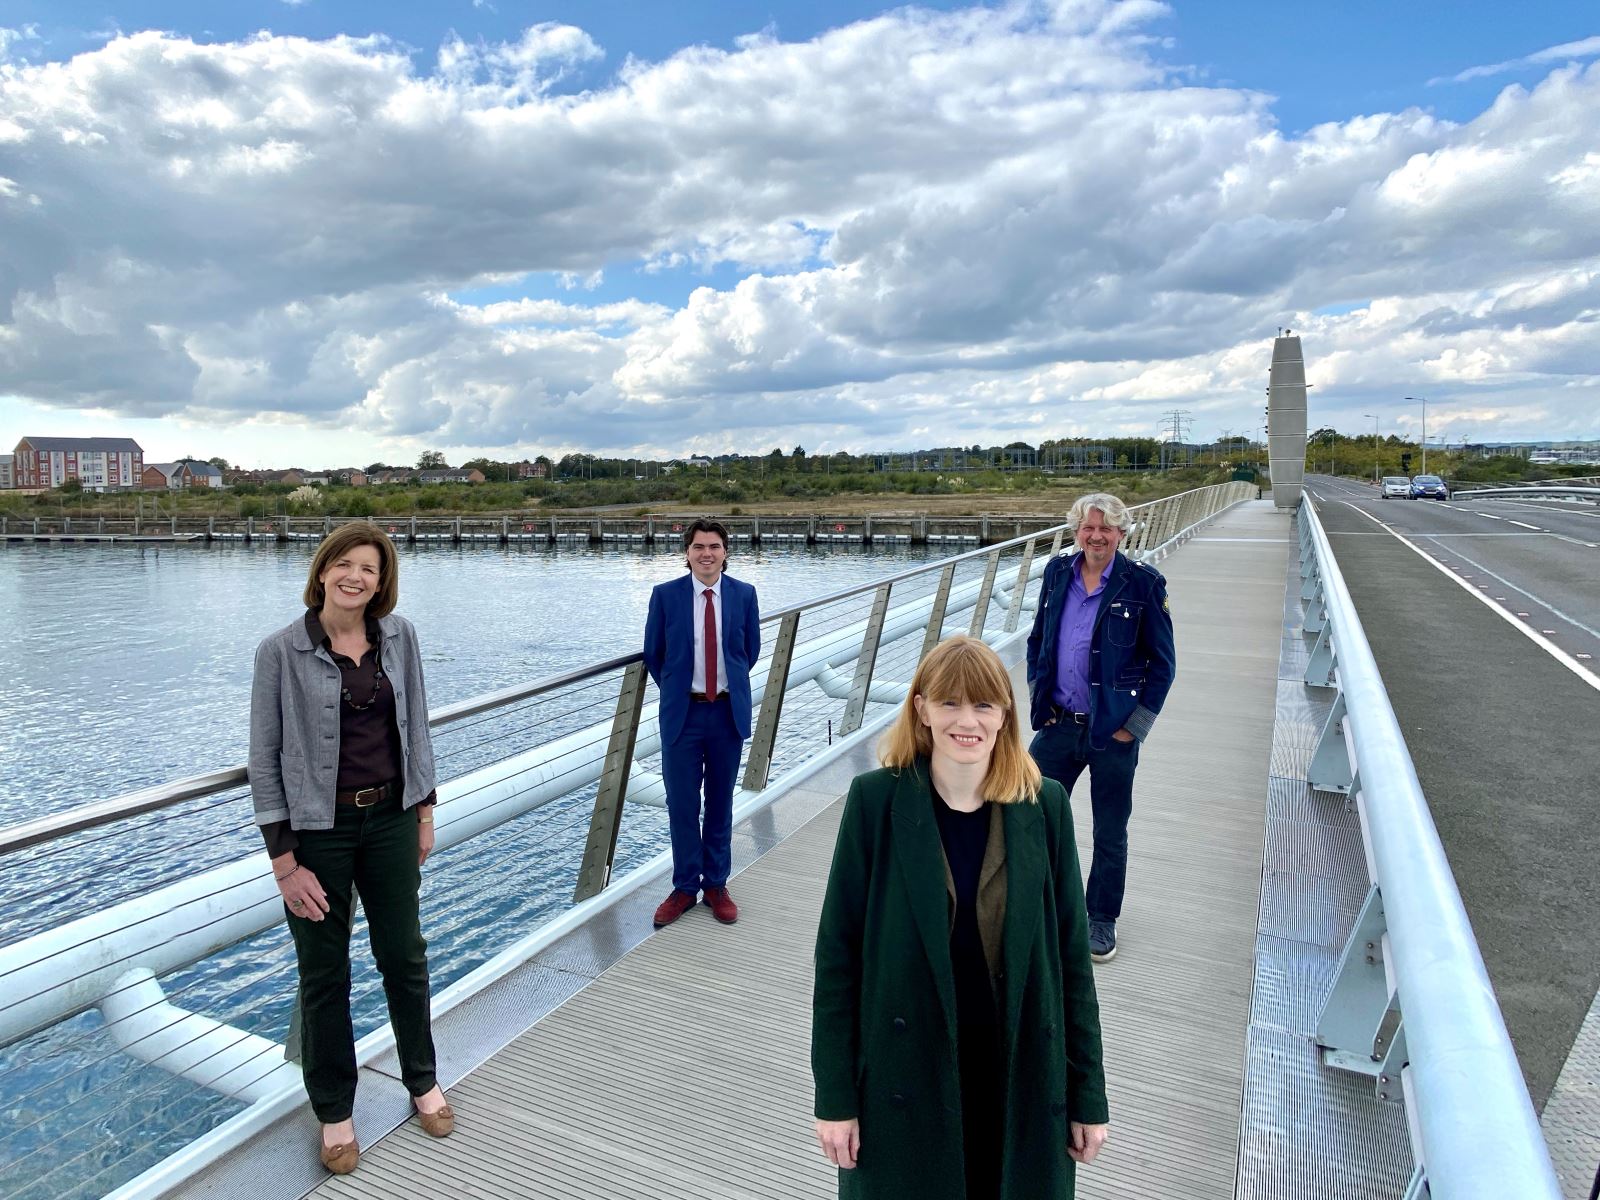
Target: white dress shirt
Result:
[[699, 683]]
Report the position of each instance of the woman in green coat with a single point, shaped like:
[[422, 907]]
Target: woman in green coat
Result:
[[955, 1032]]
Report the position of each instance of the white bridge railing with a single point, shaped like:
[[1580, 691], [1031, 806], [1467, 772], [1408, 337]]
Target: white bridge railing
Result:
[[1411, 1004]]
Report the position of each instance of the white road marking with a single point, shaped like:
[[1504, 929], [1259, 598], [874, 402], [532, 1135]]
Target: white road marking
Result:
[[1549, 647], [1554, 611], [1524, 525], [1546, 506], [1491, 516]]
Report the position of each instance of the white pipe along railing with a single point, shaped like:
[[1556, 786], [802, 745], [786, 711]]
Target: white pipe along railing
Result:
[[1474, 1131]]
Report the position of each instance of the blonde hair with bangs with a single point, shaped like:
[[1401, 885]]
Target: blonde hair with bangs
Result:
[[966, 670]]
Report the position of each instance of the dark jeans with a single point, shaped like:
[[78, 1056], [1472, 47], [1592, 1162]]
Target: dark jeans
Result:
[[1062, 752], [706, 755], [370, 852]]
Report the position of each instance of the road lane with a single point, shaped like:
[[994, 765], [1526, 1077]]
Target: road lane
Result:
[[1505, 738], [1536, 570]]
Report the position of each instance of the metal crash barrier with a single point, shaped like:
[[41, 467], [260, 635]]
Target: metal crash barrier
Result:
[[1411, 1005]]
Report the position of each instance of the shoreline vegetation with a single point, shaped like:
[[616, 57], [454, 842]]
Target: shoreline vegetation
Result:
[[991, 493], [976, 494]]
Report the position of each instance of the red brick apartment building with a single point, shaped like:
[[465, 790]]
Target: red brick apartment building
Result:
[[98, 464]]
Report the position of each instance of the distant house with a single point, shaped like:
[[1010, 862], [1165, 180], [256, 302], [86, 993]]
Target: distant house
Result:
[[197, 474], [532, 470], [293, 477], [8, 476], [180, 476], [318, 479], [351, 477], [393, 475], [696, 460], [98, 464], [159, 477], [452, 475]]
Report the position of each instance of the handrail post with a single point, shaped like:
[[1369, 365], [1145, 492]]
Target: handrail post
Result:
[[980, 610], [941, 601], [855, 707], [1020, 590], [759, 764], [600, 849]]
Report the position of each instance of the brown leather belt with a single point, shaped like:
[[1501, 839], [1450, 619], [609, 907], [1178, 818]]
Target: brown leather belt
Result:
[[365, 797], [702, 698]]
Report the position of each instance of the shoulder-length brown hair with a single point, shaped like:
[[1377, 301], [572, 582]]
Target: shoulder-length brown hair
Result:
[[965, 670], [339, 543]]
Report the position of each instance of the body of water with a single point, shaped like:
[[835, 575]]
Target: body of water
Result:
[[129, 666]]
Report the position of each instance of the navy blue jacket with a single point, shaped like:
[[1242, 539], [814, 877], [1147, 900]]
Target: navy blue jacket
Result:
[[669, 648], [1132, 659]]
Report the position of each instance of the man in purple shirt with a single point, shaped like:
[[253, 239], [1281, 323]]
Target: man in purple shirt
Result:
[[1101, 660]]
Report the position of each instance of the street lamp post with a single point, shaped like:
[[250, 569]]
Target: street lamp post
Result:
[[1424, 401], [1374, 417]]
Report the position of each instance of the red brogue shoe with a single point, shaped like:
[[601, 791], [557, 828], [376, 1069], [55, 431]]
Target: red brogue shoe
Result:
[[722, 906], [673, 907]]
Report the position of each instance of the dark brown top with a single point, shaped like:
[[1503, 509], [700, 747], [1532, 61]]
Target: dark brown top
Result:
[[369, 736]]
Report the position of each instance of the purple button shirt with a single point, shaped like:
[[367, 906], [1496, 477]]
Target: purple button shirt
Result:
[[1072, 643]]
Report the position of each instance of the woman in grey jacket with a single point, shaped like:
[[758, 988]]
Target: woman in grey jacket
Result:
[[342, 775]]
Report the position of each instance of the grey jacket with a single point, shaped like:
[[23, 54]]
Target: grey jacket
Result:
[[294, 723]]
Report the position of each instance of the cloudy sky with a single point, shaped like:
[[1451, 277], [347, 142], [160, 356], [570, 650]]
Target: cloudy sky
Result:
[[331, 232]]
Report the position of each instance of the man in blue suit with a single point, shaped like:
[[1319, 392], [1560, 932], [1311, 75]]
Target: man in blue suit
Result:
[[701, 638], [1101, 660]]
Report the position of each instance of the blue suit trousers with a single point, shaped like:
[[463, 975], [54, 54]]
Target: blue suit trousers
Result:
[[1063, 751], [705, 754]]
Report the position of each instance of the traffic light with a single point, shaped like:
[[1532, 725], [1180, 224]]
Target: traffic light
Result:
[[1405, 462]]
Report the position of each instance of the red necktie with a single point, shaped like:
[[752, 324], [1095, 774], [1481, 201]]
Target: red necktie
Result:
[[711, 645]]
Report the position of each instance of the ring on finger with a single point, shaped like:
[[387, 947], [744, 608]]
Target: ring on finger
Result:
[[298, 904]]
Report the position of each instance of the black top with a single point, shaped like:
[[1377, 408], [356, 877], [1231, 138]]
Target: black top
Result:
[[369, 735], [965, 837]]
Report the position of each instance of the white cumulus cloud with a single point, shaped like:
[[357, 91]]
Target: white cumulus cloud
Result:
[[963, 226]]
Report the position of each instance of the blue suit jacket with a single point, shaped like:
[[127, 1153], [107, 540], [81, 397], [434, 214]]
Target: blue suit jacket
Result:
[[1132, 659], [669, 648]]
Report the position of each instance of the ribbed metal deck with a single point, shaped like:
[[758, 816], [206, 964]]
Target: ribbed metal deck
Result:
[[683, 1069]]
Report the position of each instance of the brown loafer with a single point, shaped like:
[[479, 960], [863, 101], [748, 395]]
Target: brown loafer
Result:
[[438, 1124], [340, 1159]]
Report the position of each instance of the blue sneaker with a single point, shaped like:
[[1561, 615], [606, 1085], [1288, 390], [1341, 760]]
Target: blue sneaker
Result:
[[1102, 940]]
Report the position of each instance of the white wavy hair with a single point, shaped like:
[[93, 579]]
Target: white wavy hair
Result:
[[1115, 511]]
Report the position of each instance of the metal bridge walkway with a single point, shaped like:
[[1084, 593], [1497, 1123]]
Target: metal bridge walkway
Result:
[[683, 1067]]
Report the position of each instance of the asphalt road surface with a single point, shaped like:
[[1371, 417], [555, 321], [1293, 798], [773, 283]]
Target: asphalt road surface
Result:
[[1484, 618]]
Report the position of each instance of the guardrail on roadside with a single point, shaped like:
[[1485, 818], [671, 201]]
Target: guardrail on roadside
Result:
[[1541, 491], [1411, 1005]]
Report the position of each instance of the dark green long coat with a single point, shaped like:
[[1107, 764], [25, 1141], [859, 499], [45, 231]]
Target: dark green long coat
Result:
[[883, 1041]]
